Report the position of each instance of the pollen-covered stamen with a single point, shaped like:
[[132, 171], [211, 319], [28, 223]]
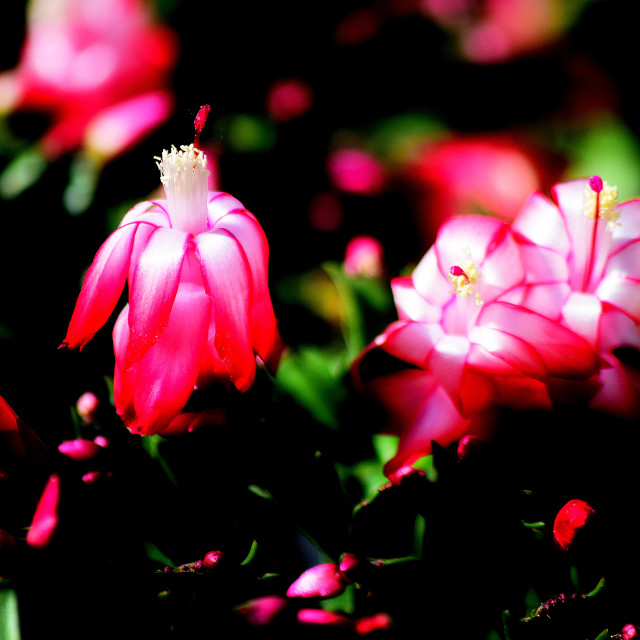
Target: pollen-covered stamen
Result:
[[463, 279], [599, 204], [184, 176], [600, 200]]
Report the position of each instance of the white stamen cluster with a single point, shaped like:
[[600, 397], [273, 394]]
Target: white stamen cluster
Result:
[[602, 205], [184, 176]]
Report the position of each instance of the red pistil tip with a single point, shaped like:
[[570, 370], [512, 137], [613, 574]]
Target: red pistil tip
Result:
[[198, 123], [595, 182], [456, 271]]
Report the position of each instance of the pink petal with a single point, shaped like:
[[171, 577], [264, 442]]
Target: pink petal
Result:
[[249, 234], [323, 617], [629, 227], [541, 222], [152, 392], [619, 392], [410, 341], [45, 518], [617, 329], [79, 449], [564, 353], [220, 204], [102, 287], [447, 361], [437, 419], [430, 282], [322, 581], [621, 292], [227, 278], [581, 313], [261, 611], [153, 212], [514, 351], [153, 288], [411, 305]]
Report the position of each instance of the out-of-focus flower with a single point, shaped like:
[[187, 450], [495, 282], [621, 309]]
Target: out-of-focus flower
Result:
[[45, 518], [569, 520], [79, 449], [199, 306], [322, 581], [493, 31], [629, 631], [364, 256], [591, 249], [100, 70], [87, 406], [288, 99], [262, 611], [469, 174], [376, 622], [356, 171], [463, 343]]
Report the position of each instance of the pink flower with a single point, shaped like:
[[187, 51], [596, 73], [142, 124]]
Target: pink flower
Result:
[[288, 99], [591, 248], [45, 518], [569, 520], [322, 617], [356, 171], [100, 70], [322, 581], [463, 343], [199, 307]]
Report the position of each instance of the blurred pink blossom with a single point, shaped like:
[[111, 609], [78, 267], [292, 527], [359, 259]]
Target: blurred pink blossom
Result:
[[79, 449], [356, 171], [87, 406], [364, 256], [199, 306], [262, 611], [288, 99], [469, 174], [100, 70]]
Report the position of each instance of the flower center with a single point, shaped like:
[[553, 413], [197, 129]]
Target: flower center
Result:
[[184, 176], [463, 279]]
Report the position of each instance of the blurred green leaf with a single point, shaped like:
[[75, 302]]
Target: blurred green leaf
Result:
[[608, 149], [245, 133], [9, 618], [153, 553], [21, 173], [311, 378]]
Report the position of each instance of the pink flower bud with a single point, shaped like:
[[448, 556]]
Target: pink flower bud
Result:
[[45, 518], [349, 562], [379, 621], [262, 611], [288, 99], [321, 581], [79, 449], [212, 559], [86, 406], [364, 257], [629, 631], [467, 445], [91, 476], [570, 519], [101, 441], [356, 171], [322, 617]]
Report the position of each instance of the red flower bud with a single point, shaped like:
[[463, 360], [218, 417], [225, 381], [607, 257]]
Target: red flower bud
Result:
[[629, 631], [79, 449], [572, 517], [212, 559]]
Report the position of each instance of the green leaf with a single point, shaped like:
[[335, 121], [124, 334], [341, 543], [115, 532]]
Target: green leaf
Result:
[[153, 553], [21, 173], [9, 617], [252, 552]]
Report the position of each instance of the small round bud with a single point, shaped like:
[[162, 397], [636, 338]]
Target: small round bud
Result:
[[212, 559], [595, 182], [87, 406], [629, 631]]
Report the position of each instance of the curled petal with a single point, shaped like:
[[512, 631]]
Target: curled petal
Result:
[[429, 282], [252, 239], [154, 285], [151, 392], [569, 520], [629, 230], [411, 305], [153, 211], [564, 353], [621, 292], [227, 279], [411, 341], [45, 518], [102, 287], [447, 361], [220, 204]]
